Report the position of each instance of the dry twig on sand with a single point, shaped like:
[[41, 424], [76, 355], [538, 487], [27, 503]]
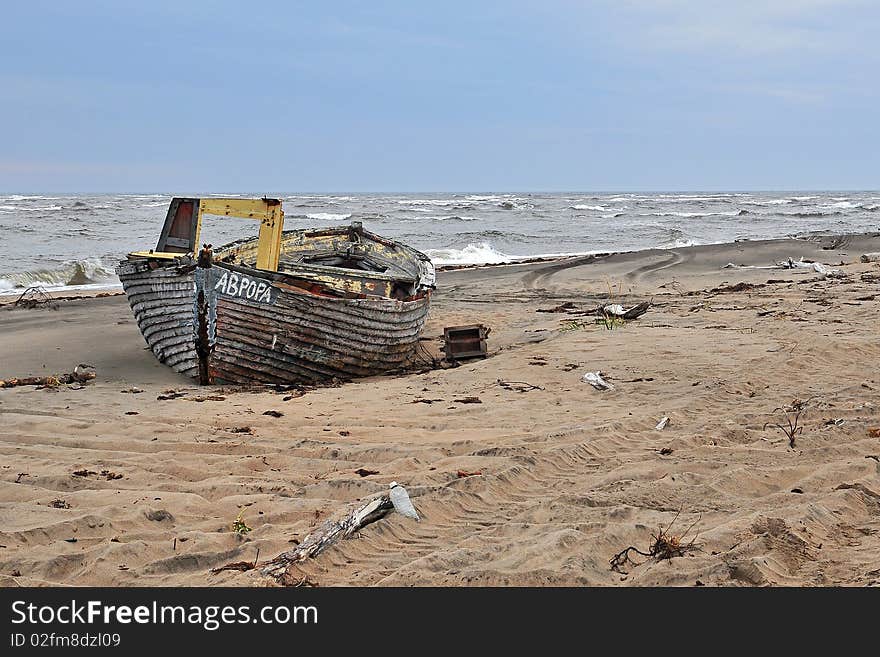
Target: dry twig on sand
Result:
[[519, 386], [35, 296], [238, 565], [664, 546]]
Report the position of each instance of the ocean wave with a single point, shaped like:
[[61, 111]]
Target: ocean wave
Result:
[[20, 197], [452, 217], [429, 201], [689, 198], [88, 271], [775, 201], [678, 243], [79, 206], [509, 204], [22, 208], [328, 216], [813, 214], [480, 253], [482, 235], [497, 199], [688, 215], [596, 208]]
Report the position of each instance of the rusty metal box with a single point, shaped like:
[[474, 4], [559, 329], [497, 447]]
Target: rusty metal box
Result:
[[465, 341]]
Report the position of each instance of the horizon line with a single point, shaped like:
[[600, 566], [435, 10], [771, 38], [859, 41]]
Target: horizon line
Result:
[[457, 191]]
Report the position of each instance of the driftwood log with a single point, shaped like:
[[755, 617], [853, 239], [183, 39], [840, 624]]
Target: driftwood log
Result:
[[329, 533], [632, 313], [80, 374]]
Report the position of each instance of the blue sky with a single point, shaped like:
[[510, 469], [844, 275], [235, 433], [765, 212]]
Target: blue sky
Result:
[[187, 97]]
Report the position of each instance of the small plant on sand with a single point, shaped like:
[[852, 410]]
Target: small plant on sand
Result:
[[792, 416], [238, 525], [607, 319], [665, 545]]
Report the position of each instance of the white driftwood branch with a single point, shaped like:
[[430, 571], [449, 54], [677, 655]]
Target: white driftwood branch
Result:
[[329, 533], [616, 310]]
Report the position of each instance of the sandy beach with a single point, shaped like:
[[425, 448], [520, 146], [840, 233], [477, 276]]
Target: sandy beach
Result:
[[524, 475]]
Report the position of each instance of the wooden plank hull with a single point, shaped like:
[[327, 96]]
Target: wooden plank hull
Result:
[[256, 328], [162, 302]]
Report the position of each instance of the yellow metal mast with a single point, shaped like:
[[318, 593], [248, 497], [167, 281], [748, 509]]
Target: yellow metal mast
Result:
[[267, 211]]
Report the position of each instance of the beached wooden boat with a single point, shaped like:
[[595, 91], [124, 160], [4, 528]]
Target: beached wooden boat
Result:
[[284, 307]]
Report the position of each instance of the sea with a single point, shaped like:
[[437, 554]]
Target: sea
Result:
[[73, 242]]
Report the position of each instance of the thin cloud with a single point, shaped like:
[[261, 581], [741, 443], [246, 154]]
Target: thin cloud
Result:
[[745, 27]]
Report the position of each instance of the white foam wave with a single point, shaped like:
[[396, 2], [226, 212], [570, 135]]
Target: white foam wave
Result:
[[11, 291], [72, 273], [687, 198], [328, 216], [678, 243], [430, 201], [20, 197], [481, 253], [509, 204], [22, 208], [482, 197], [731, 213]]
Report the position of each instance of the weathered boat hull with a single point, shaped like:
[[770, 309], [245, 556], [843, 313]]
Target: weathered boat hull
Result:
[[162, 302], [240, 325]]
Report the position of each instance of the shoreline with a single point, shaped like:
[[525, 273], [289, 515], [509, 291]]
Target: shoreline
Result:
[[98, 289]]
